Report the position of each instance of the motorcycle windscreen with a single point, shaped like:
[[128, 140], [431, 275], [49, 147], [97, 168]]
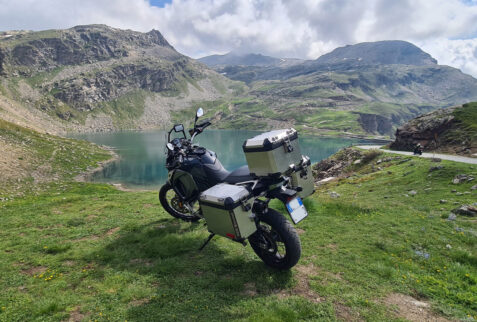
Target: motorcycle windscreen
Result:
[[184, 185]]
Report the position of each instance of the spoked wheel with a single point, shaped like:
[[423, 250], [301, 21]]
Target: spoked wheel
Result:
[[175, 206], [276, 241]]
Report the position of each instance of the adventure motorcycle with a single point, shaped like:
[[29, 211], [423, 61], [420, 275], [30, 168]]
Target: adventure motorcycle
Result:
[[235, 204], [417, 150]]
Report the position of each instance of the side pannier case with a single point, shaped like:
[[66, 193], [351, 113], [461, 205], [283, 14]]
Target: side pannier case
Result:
[[272, 153], [228, 211], [303, 178]]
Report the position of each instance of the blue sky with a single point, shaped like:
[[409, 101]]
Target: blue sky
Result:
[[159, 3]]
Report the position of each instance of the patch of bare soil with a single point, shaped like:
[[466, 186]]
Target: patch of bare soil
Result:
[[407, 307], [139, 302], [69, 263], [91, 217], [112, 231], [344, 313], [302, 288], [34, 270], [91, 237], [76, 315], [249, 289], [300, 231], [14, 162]]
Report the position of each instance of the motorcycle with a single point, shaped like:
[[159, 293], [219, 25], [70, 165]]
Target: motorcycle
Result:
[[236, 204], [417, 150]]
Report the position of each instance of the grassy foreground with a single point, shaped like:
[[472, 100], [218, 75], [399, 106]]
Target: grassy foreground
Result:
[[84, 251]]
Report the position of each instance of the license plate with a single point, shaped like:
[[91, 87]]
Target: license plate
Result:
[[297, 210]]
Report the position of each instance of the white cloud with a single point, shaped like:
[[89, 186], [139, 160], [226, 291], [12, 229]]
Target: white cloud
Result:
[[460, 53], [287, 28]]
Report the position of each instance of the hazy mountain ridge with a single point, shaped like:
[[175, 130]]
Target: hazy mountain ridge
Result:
[[249, 59]]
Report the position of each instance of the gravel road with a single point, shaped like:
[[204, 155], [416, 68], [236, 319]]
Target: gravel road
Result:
[[425, 155]]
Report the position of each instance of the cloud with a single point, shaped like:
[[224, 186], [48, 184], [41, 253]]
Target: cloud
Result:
[[286, 28]]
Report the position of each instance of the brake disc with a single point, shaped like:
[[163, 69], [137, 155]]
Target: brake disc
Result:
[[178, 205]]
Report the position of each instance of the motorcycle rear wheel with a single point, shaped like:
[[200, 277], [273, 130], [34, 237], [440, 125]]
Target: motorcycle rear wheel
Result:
[[276, 241], [173, 205]]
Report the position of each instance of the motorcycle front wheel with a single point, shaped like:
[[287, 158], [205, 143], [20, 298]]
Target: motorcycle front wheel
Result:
[[276, 241], [174, 205]]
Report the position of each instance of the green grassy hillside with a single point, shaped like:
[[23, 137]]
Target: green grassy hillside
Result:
[[31, 161], [85, 251]]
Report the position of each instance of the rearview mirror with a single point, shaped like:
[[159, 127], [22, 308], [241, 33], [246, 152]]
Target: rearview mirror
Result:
[[178, 127], [200, 112], [170, 146]]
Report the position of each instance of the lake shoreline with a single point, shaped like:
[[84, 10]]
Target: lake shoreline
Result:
[[87, 175]]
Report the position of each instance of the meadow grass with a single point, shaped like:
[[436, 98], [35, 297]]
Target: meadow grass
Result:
[[88, 251]]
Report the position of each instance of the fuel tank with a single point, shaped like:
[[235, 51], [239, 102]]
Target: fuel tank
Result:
[[205, 169]]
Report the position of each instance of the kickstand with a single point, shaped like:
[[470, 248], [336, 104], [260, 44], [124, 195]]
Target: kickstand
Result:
[[207, 241]]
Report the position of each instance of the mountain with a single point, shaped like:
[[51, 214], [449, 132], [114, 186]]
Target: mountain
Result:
[[380, 52], [248, 59], [96, 77], [364, 89]]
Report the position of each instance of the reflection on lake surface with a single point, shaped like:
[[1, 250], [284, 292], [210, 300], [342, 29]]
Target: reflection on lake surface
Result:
[[142, 154]]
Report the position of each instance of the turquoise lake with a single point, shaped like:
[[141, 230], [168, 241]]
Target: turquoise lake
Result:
[[142, 154]]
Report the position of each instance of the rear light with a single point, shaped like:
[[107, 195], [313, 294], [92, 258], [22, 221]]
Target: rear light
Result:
[[230, 235]]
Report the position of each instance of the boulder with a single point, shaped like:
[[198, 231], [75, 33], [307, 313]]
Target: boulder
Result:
[[466, 210]]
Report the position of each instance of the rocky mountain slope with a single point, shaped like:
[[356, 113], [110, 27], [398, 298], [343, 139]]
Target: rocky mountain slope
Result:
[[364, 89], [98, 78], [452, 130]]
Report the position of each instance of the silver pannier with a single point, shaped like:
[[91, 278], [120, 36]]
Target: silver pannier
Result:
[[272, 153], [227, 210]]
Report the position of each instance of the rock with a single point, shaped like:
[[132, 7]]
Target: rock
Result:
[[460, 178], [379, 161], [443, 201], [458, 193], [334, 166], [422, 254], [474, 155], [453, 190], [448, 246], [334, 194], [459, 230], [452, 217], [413, 192], [357, 161], [439, 130], [474, 187], [326, 180], [439, 167], [466, 210]]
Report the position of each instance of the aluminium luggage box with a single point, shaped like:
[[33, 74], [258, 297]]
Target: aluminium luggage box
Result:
[[272, 153], [304, 179], [227, 210]]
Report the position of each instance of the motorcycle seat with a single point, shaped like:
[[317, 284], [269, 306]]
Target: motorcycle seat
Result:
[[239, 175]]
